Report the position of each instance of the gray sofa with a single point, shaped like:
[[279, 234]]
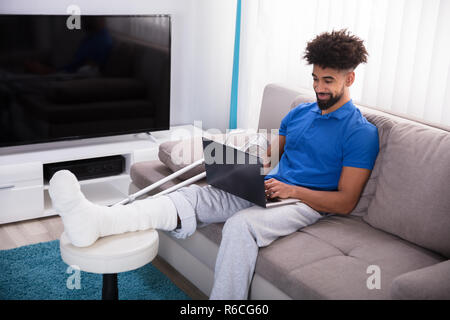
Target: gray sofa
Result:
[[395, 244]]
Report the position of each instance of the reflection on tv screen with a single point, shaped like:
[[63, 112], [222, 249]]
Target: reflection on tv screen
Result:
[[110, 76]]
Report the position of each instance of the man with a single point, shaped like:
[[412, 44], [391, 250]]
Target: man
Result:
[[327, 149], [329, 144]]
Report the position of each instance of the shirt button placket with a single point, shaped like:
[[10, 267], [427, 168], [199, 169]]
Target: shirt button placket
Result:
[[305, 133]]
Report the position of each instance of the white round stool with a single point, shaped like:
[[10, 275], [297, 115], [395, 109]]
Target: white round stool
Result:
[[111, 255]]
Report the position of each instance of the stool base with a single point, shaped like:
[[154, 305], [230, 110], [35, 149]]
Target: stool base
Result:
[[110, 290]]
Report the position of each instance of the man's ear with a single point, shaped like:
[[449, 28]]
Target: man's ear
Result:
[[350, 78]]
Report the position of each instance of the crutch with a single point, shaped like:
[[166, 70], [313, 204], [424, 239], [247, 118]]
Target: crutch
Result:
[[176, 174]]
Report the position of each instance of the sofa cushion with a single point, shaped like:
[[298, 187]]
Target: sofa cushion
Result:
[[384, 126], [329, 260], [304, 97], [411, 199], [429, 283], [275, 105], [180, 153]]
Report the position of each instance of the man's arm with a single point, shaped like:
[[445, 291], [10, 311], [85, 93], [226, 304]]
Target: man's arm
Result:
[[277, 145], [343, 201]]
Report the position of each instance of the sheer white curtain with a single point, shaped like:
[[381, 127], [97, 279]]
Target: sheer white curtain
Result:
[[408, 41]]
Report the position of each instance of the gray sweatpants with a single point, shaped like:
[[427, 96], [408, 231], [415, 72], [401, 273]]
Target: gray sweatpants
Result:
[[247, 227]]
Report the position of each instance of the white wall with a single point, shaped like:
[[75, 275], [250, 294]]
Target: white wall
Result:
[[202, 49]]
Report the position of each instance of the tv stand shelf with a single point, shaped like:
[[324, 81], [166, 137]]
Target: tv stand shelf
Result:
[[96, 180], [24, 191]]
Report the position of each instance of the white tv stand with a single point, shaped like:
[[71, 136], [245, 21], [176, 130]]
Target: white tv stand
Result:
[[24, 193]]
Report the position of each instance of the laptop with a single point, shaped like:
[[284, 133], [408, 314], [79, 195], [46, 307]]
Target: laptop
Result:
[[238, 173]]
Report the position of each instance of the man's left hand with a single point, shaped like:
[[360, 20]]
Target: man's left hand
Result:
[[278, 189]]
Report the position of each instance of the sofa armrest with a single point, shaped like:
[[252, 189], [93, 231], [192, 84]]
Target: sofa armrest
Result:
[[429, 283]]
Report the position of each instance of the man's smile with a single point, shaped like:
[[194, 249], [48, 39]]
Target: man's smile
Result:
[[323, 96]]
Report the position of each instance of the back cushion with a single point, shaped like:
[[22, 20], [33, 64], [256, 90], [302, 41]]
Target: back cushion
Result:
[[180, 153], [302, 98], [412, 198], [384, 126]]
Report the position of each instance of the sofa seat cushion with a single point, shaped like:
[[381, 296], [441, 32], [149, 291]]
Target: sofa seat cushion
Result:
[[412, 195], [213, 232], [329, 260]]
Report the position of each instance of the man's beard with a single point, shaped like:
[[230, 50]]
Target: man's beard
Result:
[[326, 104]]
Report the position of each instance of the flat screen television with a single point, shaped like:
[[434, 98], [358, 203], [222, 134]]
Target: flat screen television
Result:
[[64, 79]]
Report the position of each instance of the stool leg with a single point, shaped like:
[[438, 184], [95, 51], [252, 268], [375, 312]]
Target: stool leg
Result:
[[110, 291]]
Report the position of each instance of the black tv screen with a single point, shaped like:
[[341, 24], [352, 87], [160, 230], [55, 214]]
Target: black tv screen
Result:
[[63, 79]]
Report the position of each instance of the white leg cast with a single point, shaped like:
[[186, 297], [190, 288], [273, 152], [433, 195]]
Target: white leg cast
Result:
[[84, 221]]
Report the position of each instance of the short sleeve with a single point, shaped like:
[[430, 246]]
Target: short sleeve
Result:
[[284, 124], [361, 148]]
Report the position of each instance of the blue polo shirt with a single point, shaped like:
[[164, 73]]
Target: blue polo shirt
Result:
[[318, 146]]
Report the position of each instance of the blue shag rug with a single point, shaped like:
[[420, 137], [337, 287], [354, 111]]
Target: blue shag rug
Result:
[[37, 272]]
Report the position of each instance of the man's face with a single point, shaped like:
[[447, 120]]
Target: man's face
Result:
[[329, 85]]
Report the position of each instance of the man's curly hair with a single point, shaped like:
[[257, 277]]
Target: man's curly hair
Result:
[[337, 50]]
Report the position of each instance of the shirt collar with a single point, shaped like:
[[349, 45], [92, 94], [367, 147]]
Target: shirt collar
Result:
[[340, 113]]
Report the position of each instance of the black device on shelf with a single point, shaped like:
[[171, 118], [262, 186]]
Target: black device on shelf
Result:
[[57, 82], [88, 168]]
